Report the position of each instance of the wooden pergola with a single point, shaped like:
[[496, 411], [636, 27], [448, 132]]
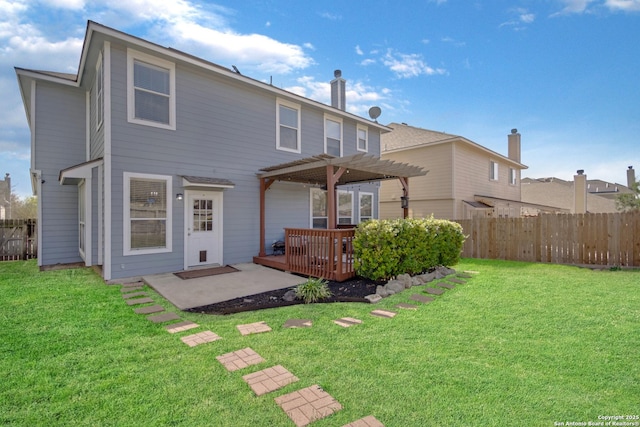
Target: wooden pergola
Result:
[[330, 172]]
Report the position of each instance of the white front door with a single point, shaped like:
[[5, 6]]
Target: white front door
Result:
[[203, 228]]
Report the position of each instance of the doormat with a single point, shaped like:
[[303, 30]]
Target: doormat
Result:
[[192, 274]]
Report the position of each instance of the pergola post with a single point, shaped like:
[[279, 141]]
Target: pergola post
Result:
[[265, 183], [405, 195], [332, 180]]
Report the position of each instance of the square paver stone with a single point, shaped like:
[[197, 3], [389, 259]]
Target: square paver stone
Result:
[[149, 309], [458, 281], [297, 323], [240, 359], [446, 285], [434, 291], [464, 275], [406, 306], [136, 301], [421, 298], [253, 328], [269, 379], [132, 284], [200, 338], [130, 289], [384, 313], [369, 421], [345, 322], [308, 405], [134, 294], [180, 326], [165, 317]]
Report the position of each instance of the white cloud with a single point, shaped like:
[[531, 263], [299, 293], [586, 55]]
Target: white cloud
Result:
[[624, 5], [331, 16], [521, 18], [573, 6], [409, 65], [64, 4], [359, 51]]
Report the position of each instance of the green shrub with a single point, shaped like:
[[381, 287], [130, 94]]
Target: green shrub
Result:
[[386, 248], [313, 290]]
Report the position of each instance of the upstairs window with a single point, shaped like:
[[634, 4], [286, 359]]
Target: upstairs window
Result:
[[151, 91], [363, 139], [288, 129], [493, 171], [99, 92], [512, 176], [333, 136]]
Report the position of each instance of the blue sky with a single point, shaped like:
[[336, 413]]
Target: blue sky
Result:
[[565, 73]]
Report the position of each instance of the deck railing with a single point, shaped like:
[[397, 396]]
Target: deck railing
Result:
[[320, 253]]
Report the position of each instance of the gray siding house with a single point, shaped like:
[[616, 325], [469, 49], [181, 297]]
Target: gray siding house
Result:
[[147, 160]]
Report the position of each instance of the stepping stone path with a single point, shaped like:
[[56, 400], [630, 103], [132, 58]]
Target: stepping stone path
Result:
[[270, 379], [161, 318], [130, 289], [149, 309], [139, 301], [253, 328], [421, 298], [308, 405], [434, 291], [369, 421], [457, 281], [384, 313], [240, 359], [181, 326], [406, 306], [446, 285], [134, 294], [465, 275], [200, 338], [297, 323], [346, 322]]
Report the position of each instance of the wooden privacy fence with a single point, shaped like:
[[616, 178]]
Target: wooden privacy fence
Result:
[[18, 240], [611, 239]]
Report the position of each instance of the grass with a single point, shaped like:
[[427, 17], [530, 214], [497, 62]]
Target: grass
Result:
[[519, 344]]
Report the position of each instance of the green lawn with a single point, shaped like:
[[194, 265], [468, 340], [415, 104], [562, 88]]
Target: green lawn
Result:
[[519, 344]]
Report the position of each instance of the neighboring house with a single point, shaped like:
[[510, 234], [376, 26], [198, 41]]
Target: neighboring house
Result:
[[581, 195], [5, 197], [150, 160], [465, 179]]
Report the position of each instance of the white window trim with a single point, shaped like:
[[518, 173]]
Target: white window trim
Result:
[[99, 92], [366, 140], [513, 176], [293, 106], [364, 193], [132, 56], [311, 217], [494, 170], [338, 120], [126, 226], [351, 219]]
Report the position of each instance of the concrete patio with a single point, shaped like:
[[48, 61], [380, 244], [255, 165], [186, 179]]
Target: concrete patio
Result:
[[250, 279]]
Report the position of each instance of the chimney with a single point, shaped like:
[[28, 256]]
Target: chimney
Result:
[[580, 192], [338, 91], [514, 145], [631, 177]]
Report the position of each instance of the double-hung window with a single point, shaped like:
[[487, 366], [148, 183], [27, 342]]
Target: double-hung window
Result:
[[288, 126], [147, 213], [366, 206], [493, 170], [99, 92], [363, 139], [319, 218], [345, 207], [151, 91], [333, 136], [512, 176]]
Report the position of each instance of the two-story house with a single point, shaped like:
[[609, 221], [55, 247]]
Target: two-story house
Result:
[[150, 160], [465, 179]]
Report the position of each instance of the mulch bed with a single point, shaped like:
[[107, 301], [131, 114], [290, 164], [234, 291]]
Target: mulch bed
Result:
[[353, 290]]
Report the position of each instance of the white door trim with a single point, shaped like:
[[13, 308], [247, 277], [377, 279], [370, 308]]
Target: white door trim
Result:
[[217, 224]]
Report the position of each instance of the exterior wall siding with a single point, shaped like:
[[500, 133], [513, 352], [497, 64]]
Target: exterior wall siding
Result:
[[60, 143], [223, 130]]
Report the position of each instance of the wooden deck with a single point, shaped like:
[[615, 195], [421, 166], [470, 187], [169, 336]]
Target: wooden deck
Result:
[[327, 254]]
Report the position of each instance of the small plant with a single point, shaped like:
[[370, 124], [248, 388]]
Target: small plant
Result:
[[313, 290]]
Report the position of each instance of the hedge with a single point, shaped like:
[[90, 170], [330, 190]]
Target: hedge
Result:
[[387, 248]]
